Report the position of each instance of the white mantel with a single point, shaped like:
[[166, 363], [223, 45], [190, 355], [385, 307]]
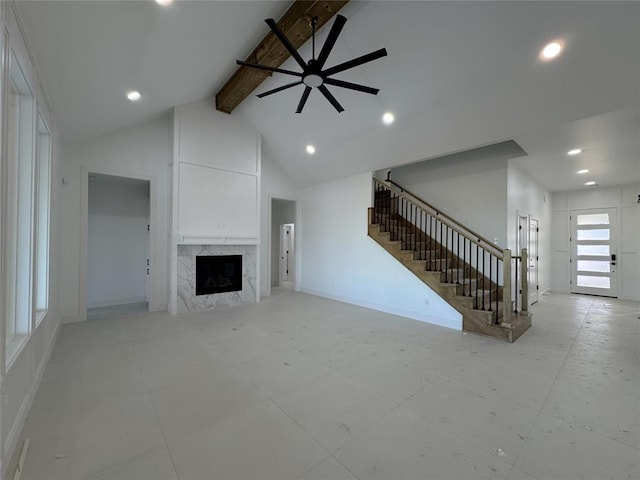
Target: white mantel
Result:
[[216, 240]]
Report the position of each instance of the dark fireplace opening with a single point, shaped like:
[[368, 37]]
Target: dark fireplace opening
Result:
[[218, 274]]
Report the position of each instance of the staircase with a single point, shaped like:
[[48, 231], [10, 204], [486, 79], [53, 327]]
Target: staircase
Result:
[[473, 275]]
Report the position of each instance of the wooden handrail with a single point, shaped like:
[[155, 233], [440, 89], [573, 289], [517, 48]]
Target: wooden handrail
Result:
[[447, 220]]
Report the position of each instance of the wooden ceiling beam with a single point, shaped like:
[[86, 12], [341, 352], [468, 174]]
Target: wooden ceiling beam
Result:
[[295, 24]]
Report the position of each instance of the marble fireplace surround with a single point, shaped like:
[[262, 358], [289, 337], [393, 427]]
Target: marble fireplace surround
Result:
[[187, 299]]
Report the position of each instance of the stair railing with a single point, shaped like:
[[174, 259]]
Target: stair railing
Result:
[[482, 269]]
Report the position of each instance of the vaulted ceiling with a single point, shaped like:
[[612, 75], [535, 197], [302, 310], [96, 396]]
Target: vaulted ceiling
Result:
[[458, 75]]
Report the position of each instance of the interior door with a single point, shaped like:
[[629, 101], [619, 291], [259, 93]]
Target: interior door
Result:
[[533, 260], [593, 252], [522, 241], [286, 251], [148, 259]]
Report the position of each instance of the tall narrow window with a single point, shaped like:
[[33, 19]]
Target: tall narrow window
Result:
[[43, 182], [20, 208], [11, 225]]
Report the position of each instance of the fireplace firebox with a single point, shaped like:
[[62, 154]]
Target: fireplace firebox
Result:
[[218, 274]]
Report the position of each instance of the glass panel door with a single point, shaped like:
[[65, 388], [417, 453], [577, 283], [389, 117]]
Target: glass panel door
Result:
[[593, 252]]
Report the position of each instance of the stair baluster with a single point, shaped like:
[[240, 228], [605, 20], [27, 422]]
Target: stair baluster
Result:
[[477, 272]]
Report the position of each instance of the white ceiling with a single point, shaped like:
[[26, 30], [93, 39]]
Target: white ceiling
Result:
[[90, 53], [458, 75]]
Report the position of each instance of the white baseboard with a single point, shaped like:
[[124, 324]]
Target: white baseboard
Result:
[[158, 307], [629, 297], [393, 310], [73, 319], [110, 302], [16, 430]]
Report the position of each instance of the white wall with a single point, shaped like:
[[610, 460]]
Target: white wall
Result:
[[19, 383], [473, 191], [117, 241], [218, 173], [275, 184], [340, 261], [528, 198], [624, 199], [20, 378], [137, 152]]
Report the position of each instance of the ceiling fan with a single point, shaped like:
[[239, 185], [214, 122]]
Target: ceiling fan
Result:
[[313, 75]]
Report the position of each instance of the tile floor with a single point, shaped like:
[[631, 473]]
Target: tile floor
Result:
[[300, 387]]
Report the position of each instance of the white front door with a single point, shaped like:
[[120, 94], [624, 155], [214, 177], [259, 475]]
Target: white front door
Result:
[[593, 252], [533, 260]]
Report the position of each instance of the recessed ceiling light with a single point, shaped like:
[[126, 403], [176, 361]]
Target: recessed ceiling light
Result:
[[590, 184], [575, 151], [311, 149], [388, 118], [552, 50], [580, 172], [164, 3], [133, 95]]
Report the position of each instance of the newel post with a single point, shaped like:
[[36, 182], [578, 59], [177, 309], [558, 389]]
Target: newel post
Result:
[[525, 281], [506, 287]]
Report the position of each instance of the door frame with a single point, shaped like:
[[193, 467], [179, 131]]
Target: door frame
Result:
[[297, 241], [614, 243], [533, 292], [522, 220], [84, 234]]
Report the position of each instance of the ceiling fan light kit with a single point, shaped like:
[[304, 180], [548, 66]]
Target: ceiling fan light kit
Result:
[[313, 75]]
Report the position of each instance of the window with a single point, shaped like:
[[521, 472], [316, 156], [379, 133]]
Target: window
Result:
[[43, 183], [594, 250], [20, 123], [594, 219], [599, 234]]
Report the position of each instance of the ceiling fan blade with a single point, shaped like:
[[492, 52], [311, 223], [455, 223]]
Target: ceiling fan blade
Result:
[[331, 98], [351, 86], [303, 99], [336, 28], [268, 69], [369, 57], [279, 89], [285, 41]]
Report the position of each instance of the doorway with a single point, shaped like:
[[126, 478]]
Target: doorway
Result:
[[118, 257], [283, 243], [534, 231], [593, 252], [522, 241], [528, 232]]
